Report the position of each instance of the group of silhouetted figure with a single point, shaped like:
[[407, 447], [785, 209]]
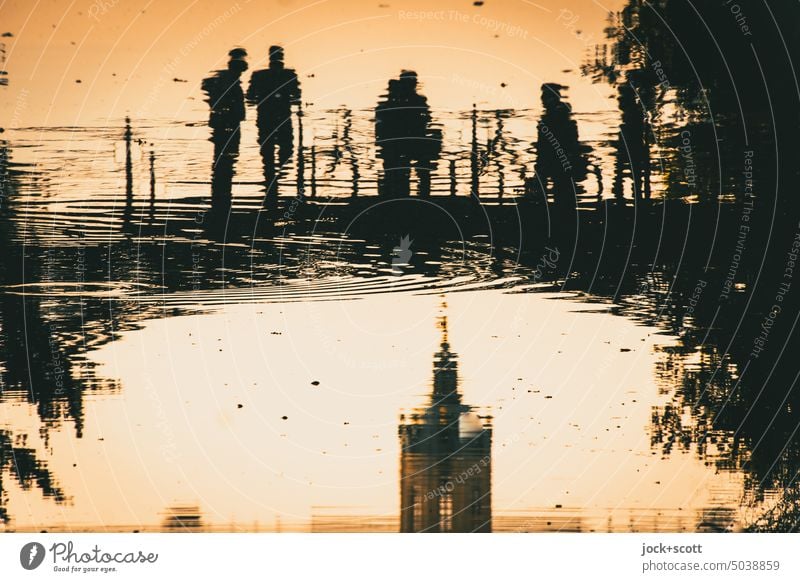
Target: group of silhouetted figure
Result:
[[406, 138], [273, 91]]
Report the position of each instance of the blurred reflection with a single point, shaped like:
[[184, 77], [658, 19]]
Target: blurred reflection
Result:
[[273, 91], [225, 97], [19, 462], [718, 136], [561, 159], [5, 178], [127, 211], [34, 366], [182, 517], [39, 370], [405, 138], [784, 515], [702, 89], [446, 458], [702, 272], [632, 147], [37, 346]]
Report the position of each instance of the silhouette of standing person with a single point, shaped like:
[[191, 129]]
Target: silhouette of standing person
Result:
[[404, 137], [633, 148], [225, 97], [274, 90], [388, 139], [561, 159]]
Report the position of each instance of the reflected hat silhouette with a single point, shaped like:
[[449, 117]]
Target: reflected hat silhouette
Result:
[[276, 53], [406, 75], [237, 61], [408, 79], [553, 89], [237, 53]]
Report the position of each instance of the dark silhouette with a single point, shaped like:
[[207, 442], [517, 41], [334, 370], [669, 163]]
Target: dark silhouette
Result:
[[313, 171], [152, 184], [301, 156], [632, 147], [404, 137], [128, 160], [474, 156], [226, 100], [37, 365], [446, 458], [731, 285], [720, 110], [561, 160], [5, 176], [152, 175], [499, 149], [274, 90], [21, 462], [33, 366], [127, 210]]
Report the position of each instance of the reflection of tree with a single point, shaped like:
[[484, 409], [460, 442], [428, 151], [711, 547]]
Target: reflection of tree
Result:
[[726, 420], [711, 92], [783, 516], [699, 414], [21, 463], [697, 50], [705, 75], [38, 369], [41, 337]]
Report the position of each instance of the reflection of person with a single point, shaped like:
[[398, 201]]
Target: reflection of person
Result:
[[273, 91], [560, 157], [226, 99], [633, 149], [404, 137]]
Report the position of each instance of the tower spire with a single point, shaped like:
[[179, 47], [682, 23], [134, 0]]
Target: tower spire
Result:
[[442, 322], [445, 364]]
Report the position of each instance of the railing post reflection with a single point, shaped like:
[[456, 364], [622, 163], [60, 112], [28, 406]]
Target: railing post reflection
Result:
[[128, 162], [452, 176], [313, 170], [474, 152]]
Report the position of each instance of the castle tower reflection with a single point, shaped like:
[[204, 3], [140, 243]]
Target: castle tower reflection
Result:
[[445, 459]]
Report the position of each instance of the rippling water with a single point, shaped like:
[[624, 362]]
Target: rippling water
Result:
[[166, 367], [76, 191]]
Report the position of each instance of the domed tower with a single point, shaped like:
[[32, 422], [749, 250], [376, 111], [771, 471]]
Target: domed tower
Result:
[[445, 459]]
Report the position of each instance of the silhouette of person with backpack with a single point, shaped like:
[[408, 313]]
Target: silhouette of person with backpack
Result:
[[405, 138], [226, 99]]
